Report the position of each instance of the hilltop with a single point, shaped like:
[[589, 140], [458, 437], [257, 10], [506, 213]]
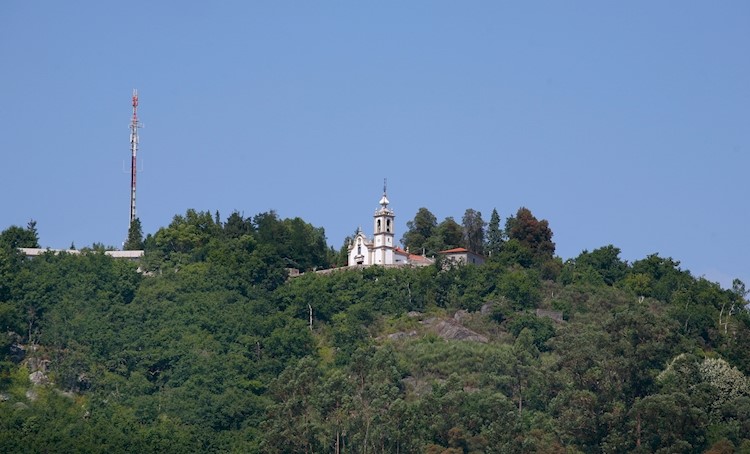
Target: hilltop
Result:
[[207, 345]]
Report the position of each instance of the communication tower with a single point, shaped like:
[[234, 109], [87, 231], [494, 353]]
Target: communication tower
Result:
[[134, 125]]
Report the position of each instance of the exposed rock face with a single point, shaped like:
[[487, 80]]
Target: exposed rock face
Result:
[[460, 315], [401, 335], [554, 315], [429, 321], [452, 330], [38, 364], [31, 394], [418, 386], [38, 378]]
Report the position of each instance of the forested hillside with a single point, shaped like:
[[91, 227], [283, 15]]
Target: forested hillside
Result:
[[209, 347]]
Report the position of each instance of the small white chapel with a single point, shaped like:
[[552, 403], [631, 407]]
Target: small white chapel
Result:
[[382, 250]]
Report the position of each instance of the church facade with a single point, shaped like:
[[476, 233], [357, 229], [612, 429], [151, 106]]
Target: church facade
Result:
[[381, 249]]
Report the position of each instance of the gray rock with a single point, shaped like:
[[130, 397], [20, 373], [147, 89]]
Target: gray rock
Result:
[[38, 378], [428, 321], [460, 315], [401, 335], [452, 330]]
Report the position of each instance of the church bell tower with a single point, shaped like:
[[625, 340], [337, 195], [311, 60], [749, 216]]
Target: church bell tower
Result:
[[383, 241]]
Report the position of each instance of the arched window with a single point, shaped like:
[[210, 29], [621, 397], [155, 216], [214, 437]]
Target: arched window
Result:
[[378, 229], [387, 225]]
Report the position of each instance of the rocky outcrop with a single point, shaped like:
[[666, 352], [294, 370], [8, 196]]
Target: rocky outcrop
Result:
[[554, 315], [448, 329], [453, 330], [38, 378], [402, 335]]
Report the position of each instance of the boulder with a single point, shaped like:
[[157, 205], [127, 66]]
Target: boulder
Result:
[[38, 378], [401, 335], [452, 330], [460, 315]]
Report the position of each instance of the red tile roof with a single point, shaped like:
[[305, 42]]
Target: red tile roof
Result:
[[454, 251]]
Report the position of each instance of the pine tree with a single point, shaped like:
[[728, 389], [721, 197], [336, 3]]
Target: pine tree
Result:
[[473, 226], [494, 235], [135, 236]]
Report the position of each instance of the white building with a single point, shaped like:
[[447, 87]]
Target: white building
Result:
[[381, 249], [463, 256], [35, 252]]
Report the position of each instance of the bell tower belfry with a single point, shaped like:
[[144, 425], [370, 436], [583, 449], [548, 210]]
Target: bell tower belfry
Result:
[[383, 238]]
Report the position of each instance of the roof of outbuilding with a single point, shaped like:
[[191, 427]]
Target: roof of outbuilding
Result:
[[454, 251]]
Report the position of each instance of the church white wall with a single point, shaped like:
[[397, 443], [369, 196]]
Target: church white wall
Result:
[[360, 253]]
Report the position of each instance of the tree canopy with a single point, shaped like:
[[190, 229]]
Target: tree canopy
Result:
[[206, 345]]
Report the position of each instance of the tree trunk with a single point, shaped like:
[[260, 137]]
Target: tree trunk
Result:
[[638, 430]]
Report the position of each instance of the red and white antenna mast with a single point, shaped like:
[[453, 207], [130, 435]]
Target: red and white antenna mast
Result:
[[134, 125]]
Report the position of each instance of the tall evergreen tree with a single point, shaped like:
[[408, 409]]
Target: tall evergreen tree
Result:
[[236, 226], [473, 226], [135, 236], [494, 235], [15, 236]]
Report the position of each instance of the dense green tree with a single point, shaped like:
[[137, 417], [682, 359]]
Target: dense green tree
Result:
[[135, 236], [667, 423], [541, 329], [601, 265], [15, 237], [447, 235], [237, 226], [532, 234], [521, 287], [473, 227], [495, 236], [657, 277], [293, 423], [187, 237], [420, 229], [214, 349]]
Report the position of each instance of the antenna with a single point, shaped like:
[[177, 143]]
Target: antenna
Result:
[[134, 125]]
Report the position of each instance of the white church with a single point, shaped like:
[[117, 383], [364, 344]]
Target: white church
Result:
[[382, 250]]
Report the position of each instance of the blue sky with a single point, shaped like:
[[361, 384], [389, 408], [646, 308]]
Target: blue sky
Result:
[[621, 123]]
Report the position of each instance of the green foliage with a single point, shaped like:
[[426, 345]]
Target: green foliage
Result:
[[473, 231], [657, 277], [531, 234], [15, 237], [521, 287], [447, 235], [495, 236], [216, 350], [425, 234], [541, 329], [601, 266], [135, 236], [420, 229]]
